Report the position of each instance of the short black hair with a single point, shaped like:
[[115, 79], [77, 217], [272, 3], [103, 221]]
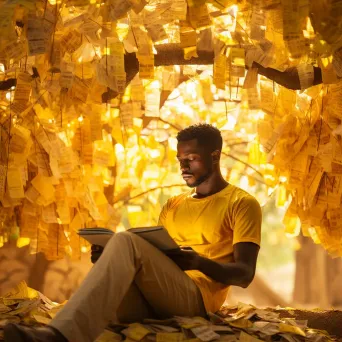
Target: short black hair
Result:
[[206, 135]]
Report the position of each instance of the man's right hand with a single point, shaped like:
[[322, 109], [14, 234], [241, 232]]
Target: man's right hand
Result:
[[96, 252]]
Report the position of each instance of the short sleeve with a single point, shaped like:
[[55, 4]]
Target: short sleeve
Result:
[[163, 213], [247, 221]]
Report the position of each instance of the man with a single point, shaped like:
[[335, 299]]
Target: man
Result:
[[219, 225]]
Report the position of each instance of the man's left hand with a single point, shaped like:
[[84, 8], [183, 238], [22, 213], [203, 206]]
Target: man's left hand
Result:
[[185, 258]]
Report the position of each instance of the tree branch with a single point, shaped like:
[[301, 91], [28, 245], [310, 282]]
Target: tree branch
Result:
[[150, 190], [173, 186], [7, 84], [243, 162], [177, 128], [288, 78], [173, 54], [167, 54]]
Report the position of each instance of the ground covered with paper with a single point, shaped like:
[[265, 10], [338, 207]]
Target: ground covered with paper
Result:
[[241, 322]]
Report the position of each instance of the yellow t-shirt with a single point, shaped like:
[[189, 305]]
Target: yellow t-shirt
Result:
[[211, 226]]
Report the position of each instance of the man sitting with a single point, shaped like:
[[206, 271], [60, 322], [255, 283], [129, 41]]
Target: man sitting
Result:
[[218, 228]]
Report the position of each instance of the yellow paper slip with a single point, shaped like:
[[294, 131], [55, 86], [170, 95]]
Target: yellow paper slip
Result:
[[170, 337], [136, 332], [220, 71], [108, 336], [52, 313], [205, 333], [291, 329], [146, 66], [43, 186], [244, 337], [42, 319], [3, 173], [4, 308], [21, 291], [15, 183], [241, 323]]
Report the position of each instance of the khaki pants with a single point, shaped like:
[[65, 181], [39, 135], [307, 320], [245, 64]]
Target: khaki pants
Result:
[[131, 280]]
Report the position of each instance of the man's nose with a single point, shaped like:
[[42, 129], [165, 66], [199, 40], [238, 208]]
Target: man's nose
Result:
[[184, 165]]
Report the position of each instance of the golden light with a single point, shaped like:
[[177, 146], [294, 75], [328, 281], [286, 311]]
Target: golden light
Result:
[[119, 149], [244, 183], [85, 249], [9, 96], [154, 153], [134, 208], [283, 179], [22, 242], [314, 235]]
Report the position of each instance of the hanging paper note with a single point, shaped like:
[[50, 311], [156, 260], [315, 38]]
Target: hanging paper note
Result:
[[257, 25], [199, 16], [291, 19], [3, 175], [253, 98], [67, 74], [72, 41], [80, 89], [44, 186], [36, 35], [156, 32], [15, 183], [188, 38], [237, 59], [23, 88], [251, 78], [220, 71], [146, 66]]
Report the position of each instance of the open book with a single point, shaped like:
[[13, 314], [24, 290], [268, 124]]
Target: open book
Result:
[[158, 236]]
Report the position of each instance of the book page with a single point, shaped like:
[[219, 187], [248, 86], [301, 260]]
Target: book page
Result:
[[159, 238]]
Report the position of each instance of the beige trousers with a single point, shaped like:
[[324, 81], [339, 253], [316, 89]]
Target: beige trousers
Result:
[[131, 280]]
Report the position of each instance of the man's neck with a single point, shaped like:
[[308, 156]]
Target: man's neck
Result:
[[211, 186]]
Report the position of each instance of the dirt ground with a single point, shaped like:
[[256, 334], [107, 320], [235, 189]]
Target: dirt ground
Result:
[[329, 320]]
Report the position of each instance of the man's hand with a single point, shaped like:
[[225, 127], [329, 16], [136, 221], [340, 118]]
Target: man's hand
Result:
[[185, 258], [96, 252]]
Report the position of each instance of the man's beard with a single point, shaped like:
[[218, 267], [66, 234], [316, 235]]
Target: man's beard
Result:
[[200, 180]]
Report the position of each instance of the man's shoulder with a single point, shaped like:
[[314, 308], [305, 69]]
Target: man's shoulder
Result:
[[178, 198], [236, 192], [240, 197]]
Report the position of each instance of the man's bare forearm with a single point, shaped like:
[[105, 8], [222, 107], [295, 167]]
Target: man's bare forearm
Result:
[[237, 274]]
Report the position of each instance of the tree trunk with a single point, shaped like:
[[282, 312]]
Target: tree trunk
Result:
[[38, 271], [260, 290], [317, 276]]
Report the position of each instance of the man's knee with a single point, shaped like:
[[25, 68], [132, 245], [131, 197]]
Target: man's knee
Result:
[[123, 236], [128, 241], [121, 240], [128, 237], [134, 240]]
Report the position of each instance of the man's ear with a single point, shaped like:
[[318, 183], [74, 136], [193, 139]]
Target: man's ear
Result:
[[216, 156]]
